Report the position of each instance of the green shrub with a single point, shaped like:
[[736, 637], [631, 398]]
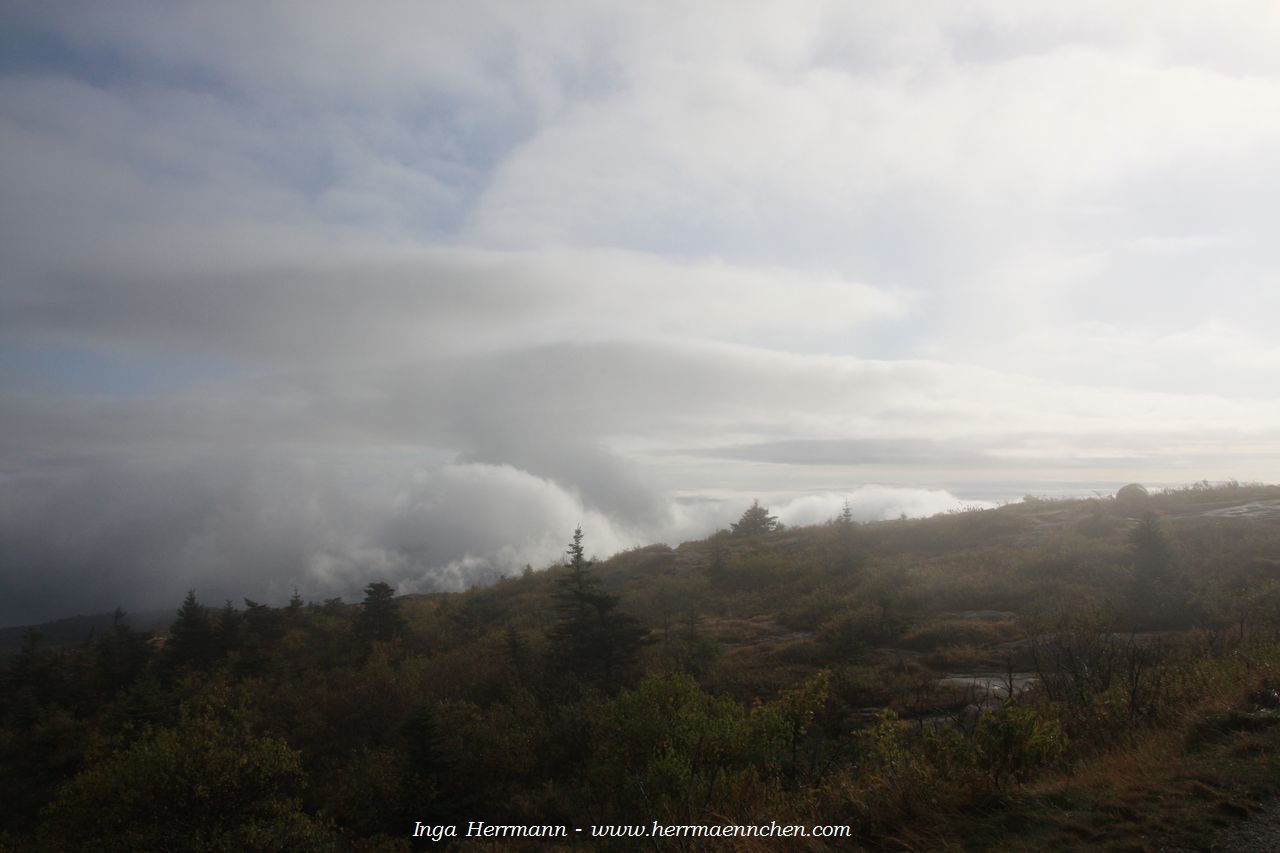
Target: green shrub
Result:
[[1014, 742], [208, 784]]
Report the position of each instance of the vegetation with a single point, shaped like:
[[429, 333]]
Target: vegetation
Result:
[[1066, 675], [379, 619], [754, 521], [592, 643]]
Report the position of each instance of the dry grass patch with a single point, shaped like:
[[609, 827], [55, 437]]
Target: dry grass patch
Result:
[[959, 632]]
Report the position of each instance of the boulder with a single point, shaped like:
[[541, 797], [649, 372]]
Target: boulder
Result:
[[1134, 494]]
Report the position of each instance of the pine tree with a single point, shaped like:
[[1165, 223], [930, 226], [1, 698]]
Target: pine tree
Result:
[[261, 627], [576, 591], [592, 640], [122, 655], [754, 521], [849, 540], [575, 596], [517, 649], [227, 630], [379, 619], [429, 762], [191, 637]]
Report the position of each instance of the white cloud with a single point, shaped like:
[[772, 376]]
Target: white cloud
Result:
[[628, 267], [870, 503]]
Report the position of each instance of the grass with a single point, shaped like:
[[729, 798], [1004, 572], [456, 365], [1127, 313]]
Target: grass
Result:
[[1176, 787]]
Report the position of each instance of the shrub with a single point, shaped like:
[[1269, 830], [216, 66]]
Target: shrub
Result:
[[208, 784], [1014, 742]]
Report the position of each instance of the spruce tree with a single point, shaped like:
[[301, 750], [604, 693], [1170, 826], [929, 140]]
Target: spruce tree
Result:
[[227, 630], [849, 540], [191, 637], [754, 521], [122, 655], [591, 640], [379, 619]]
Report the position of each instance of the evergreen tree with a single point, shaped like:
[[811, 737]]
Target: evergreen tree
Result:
[[575, 595], [517, 649], [27, 679], [576, 592], [379, 619], [122, 655], [228, 628], [754, 521], [592, 639], [264, 623], [849, 540], [191, 637], [429, 762]]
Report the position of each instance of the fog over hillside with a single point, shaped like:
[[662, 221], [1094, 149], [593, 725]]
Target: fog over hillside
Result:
[[309, 297]]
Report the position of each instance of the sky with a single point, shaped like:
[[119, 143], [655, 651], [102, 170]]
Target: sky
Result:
[[295, 294]]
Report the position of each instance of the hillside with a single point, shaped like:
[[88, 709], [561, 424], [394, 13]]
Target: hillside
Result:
[[1085, 673], [75, 629]]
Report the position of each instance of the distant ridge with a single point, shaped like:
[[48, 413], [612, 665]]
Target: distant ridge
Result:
[[74, 629]]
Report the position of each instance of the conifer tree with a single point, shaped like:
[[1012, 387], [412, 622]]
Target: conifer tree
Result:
[[592, 639], [227, 630], [379, 619], [849, 540], [122, 655], [191, 637], [754, 521]]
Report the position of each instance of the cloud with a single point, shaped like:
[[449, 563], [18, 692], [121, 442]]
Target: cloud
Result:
[[90, 535], [93, 535], [408, 304], [301, 295], [1211, 357], [870, 503]]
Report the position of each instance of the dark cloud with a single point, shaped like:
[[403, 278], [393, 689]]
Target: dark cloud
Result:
[[88, 536]]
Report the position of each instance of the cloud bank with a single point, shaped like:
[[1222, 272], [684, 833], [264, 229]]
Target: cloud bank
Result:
[[293, 296]]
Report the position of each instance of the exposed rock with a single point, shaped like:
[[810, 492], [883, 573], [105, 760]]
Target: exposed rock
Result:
[[1134, 494]]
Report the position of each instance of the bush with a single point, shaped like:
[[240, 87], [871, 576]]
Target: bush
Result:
[[1015, 742], [848, 632], [208, 784], [670, 750]]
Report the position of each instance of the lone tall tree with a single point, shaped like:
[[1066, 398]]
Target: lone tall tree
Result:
[[577, 593], [192, 641], [848, 539], [754, 521], [379, 618], [591, 640]]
